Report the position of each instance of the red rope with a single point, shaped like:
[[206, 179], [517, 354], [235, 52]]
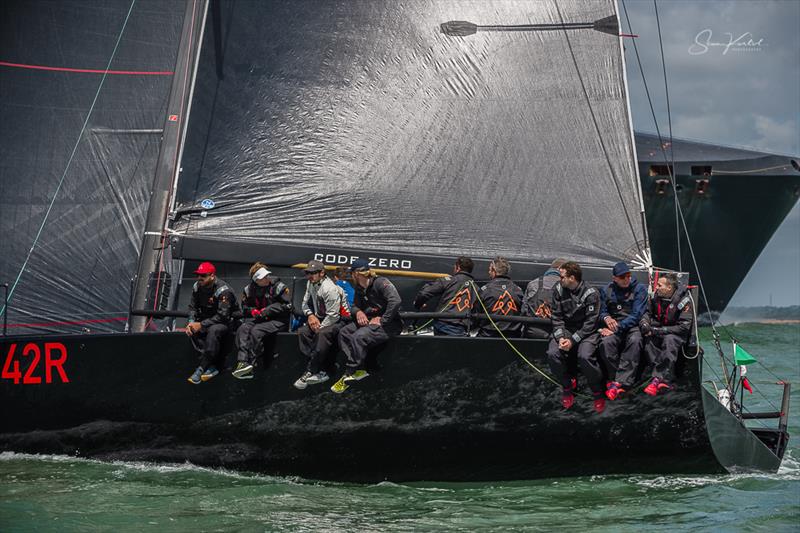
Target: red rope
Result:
[[89, 70]]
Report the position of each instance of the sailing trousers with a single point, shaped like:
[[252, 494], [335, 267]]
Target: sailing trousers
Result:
[[317, 346], [208, 341], [448, 329], [256, 338], [662, 352], [355, 341], [622, 367], [587, 363]]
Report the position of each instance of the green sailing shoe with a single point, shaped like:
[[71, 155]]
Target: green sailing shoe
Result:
[[358, 375], [340, 386]]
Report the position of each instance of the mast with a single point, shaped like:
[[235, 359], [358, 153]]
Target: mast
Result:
[[153, 240]]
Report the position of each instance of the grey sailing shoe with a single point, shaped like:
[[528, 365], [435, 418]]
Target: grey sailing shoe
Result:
[[194, 379], [243, 370], [209, 373]]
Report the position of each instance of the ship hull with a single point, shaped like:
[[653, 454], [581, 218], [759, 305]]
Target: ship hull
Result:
[[432, 409]]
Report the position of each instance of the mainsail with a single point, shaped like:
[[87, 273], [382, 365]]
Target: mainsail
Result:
[[360, 123]]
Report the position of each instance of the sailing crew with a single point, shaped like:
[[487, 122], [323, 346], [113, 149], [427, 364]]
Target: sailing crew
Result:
[[211, 311], [538, 299], [666, 327], [327, 312], [500, 296], [454, 293], [622, 306], [575, 315], [266, 311], [340, 278], [376, 311]]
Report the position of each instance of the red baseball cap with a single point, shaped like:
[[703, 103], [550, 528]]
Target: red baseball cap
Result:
[[206, 268]]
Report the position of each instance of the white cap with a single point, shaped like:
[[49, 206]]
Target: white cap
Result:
[[261, 273]]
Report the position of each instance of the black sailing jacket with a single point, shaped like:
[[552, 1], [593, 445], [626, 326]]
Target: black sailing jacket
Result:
[[456, 294], [380, 298], [274, 302], [669, 315], [501, 296], [575, 313], [211, 305]]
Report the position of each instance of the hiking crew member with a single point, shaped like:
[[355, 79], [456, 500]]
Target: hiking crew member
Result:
[[666, 327], [211, 310], [340, 279], [538, 300], [325, 306], [266, 309], [622, 306], [575, 314], [500, 296], [377, 318], [454, 293]]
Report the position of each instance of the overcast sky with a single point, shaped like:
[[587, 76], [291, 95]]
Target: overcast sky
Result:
[[745, 96]]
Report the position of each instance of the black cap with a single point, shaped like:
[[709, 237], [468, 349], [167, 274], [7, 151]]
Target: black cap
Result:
[[314, 266]]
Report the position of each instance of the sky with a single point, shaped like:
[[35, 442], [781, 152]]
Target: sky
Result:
[[746, 94]]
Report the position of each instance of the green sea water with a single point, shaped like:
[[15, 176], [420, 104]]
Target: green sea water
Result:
[[58, 493]]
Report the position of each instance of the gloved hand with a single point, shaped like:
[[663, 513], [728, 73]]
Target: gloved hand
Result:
[[645, 328], [659, 332]]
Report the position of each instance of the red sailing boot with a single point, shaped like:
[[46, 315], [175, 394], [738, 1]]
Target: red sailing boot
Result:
[[599, 405], [652, 388], [567, 398], [613, 390]]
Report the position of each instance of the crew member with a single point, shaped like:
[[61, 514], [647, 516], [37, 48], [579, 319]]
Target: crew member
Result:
[[538, 299], [266, 311], [340, 278], [500, 296], [325, 306], [211, 311], [666, 327], [454, 293], [622, 306], [377, 318], [575, 315]]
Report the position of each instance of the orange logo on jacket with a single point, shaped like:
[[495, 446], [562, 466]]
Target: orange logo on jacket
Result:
[[462, 300], [505, 304]]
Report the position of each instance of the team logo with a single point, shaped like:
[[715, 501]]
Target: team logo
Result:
[[504, 305], [462, 300]]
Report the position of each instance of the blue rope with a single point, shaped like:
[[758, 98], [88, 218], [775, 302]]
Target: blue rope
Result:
[[71, 157]]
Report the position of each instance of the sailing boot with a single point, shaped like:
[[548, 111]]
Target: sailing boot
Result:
[[613, 390], [652, 388], [567, 398], [599, 405]]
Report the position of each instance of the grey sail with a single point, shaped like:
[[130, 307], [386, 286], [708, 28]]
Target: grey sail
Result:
[[363, 124]]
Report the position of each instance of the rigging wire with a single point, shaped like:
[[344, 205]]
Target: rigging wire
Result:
[[671, 166], [679, 211], [71, 157], [672, 182]]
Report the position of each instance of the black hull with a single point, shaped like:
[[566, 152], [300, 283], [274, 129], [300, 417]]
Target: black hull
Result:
[[435, 409]]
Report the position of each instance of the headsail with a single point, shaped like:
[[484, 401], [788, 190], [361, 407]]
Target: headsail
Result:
[[361, 122]]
